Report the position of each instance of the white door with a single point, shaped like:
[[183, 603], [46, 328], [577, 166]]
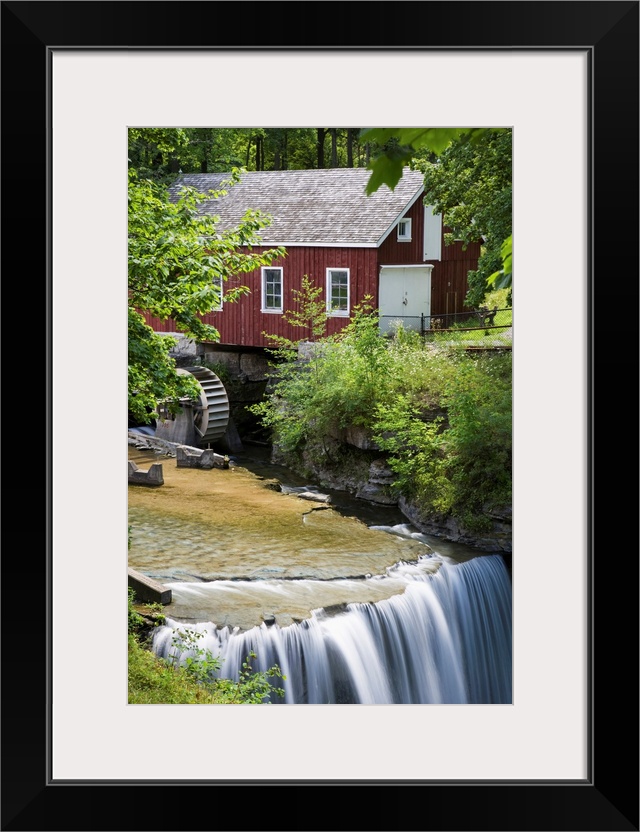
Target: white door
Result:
[[405, 295]]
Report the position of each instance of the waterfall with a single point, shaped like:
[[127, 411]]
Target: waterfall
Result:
[[445, 639]]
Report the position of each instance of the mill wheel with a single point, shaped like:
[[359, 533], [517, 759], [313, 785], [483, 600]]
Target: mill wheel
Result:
[[212, 417]]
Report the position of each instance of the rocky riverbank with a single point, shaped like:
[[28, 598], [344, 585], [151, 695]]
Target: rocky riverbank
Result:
[[351, 461]]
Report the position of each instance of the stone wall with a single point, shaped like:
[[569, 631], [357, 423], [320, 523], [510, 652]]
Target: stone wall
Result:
[[352, 462], [245, 376]]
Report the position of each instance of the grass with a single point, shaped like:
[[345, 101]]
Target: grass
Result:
[[154, 682], [471, 333], [151, 680]]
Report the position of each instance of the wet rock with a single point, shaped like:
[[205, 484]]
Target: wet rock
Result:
[[376, 494], [359, 438], [498, 538], [315, 496], [231, 442], [378, 488]]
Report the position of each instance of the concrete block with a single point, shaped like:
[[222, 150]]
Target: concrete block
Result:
[[189, 457], [153, 476], [193, 457]]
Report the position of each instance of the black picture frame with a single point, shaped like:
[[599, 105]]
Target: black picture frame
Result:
[[608, 799]]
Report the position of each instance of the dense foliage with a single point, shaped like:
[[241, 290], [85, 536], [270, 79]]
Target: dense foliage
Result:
[[179, 266], [442, 414], [470, 183], [468, 178], [161, 153], [190, 676]]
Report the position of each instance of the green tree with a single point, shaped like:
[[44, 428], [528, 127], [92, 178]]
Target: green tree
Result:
[[470, 183], [152, 150], [213, 150], [468, 177], [442, 415], [178, 265], [309, 314], [333, 387], [160, 153]]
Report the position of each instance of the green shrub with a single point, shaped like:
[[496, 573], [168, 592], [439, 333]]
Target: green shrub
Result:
[[152, 682], [134, 619], [190, 674], [221, 370], [443, 415], [331, 389], [459, 465]]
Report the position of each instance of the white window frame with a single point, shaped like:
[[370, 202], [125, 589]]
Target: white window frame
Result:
[[406, 236], [264, 307], [218, 280], [338, 313]]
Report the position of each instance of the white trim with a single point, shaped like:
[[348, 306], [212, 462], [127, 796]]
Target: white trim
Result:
[[263, 293], [343, 244], [432, 236], [404, 238], [338, 313], [407, 266], [400, 216]]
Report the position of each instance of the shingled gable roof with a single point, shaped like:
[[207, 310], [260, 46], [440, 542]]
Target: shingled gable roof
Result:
[[327, 207]]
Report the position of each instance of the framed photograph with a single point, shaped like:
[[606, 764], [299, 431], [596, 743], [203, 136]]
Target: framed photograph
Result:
[[563, 755]]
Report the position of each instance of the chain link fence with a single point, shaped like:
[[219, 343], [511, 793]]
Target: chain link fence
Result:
[[477, 329]]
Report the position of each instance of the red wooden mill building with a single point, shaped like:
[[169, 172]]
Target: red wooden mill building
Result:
[[388, 245]]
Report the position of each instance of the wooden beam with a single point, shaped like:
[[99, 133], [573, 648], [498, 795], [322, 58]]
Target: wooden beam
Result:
[[147, 590]]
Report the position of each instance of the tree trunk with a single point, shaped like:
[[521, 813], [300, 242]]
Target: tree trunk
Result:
[[321, 133], [259, 153], [334, 147], [350, 136]]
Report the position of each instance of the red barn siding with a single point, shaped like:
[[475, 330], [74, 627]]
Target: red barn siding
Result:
[[449, 279], [242, 323], [449, 284], [455, 252], [394, 253], [449, 287]]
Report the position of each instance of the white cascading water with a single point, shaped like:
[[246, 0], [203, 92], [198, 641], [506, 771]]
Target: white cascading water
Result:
[[445, 640]]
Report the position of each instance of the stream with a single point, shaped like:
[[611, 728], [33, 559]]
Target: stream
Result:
[[353, 603]]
